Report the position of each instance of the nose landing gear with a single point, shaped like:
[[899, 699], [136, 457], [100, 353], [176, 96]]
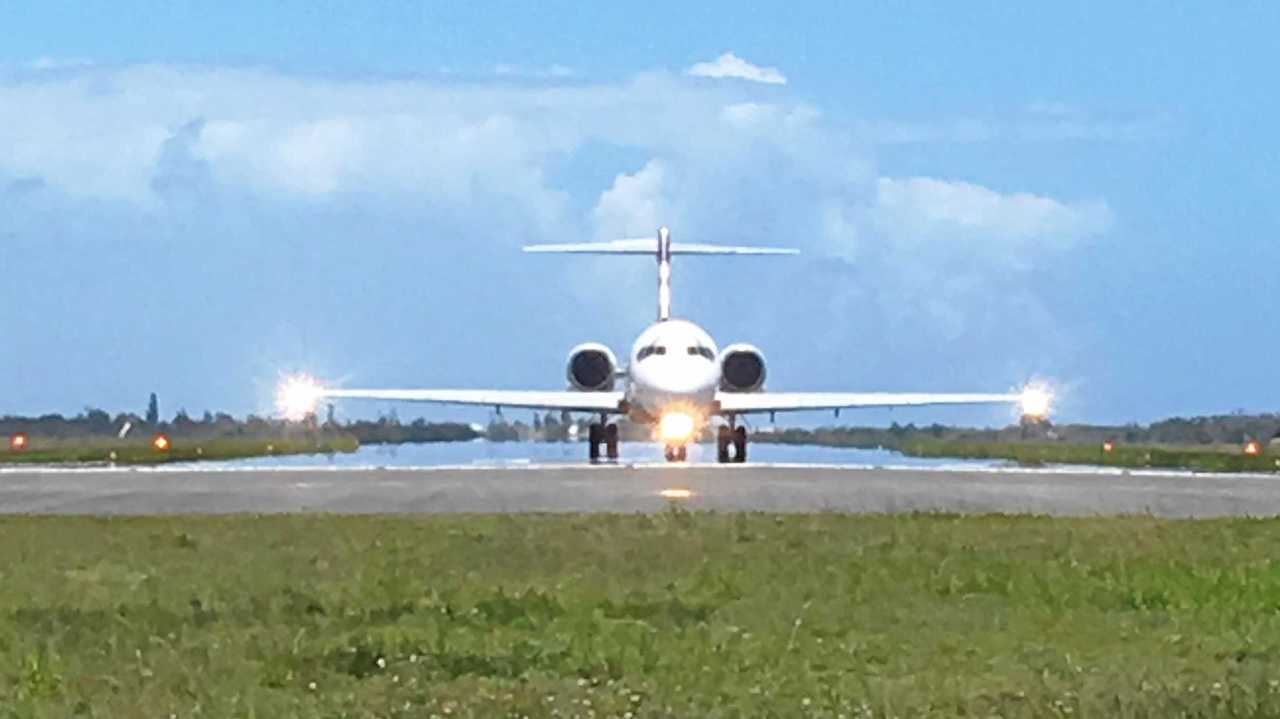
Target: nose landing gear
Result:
[[731, 437], [600, 433], [676, 454]]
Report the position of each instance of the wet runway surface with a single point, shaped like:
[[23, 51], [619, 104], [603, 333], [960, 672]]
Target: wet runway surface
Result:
[[634, 488]]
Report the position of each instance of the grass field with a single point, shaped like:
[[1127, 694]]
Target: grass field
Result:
[[674, 614], [181, 450]]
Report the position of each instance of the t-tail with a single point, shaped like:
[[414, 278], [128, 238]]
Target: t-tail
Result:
[[663, 249]]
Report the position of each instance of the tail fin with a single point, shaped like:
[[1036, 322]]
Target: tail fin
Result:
[[663, 249]]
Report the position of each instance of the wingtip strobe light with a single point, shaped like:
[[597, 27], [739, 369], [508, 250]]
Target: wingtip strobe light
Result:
[[298, 396], [1036, 402]]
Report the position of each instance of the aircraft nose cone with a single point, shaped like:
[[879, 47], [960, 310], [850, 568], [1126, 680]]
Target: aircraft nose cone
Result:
[[690, 377]]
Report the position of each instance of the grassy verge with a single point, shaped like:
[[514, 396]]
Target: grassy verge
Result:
[[135, 452], [1034, 453], [674, 614]]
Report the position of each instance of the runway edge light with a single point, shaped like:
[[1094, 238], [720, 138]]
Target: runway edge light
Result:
[[161, 442], [18, 442]]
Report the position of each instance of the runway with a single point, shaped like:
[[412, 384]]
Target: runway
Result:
[[634, 488]]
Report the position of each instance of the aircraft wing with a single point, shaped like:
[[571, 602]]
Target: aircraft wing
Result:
[[523, 399], [746, 402]]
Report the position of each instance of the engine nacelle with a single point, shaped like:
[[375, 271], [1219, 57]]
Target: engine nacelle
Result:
[[592, 367], [741, 368]]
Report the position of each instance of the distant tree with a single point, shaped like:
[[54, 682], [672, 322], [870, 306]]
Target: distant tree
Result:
[[207, 418], [97, 421], [153, 410]]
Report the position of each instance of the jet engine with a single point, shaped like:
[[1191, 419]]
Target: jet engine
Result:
[[741, 368], [592, 367]]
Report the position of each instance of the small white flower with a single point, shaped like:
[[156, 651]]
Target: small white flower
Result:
[[582, 682], [382, 663], [311, 686], [804, 702]]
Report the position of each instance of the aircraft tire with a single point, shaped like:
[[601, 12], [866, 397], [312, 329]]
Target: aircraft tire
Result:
[[611, 441], [740, 445], [724, 437], [593, 442]]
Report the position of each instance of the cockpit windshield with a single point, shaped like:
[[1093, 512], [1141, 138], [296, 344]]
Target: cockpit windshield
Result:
[[650, 350]]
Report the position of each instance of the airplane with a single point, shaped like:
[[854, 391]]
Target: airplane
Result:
[[674, 379]]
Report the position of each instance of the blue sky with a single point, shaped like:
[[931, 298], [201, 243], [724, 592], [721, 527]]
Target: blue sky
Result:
[[197, 197]]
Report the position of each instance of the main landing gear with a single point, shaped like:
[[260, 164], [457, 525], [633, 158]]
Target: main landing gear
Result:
[[675, 453], [600, 433], [731, 438]]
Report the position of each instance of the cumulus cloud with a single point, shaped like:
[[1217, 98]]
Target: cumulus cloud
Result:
[[635, 205], [956, 245], [419, 192], [930, 210], [729, 65]]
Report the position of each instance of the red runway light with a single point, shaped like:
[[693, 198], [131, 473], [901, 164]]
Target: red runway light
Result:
[[161, 443], [1252, 448], [1108, 446], [18, 442]]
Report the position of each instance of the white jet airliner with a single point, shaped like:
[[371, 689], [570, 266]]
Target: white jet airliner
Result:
[[674, 379]]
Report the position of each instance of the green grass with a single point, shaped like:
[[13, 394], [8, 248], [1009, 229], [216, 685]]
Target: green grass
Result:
[[182, 450], [674, 614], [1209, 459]]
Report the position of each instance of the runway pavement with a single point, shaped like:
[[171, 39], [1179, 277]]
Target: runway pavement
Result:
[[636, 488]]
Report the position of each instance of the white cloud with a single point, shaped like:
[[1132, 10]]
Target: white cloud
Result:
[[729, 65], [930, 210], [555, 71], [58, 63], [202, 154], [635, 205]]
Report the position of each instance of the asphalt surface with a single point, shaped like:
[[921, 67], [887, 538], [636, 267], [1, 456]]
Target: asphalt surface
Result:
[[638, 488]]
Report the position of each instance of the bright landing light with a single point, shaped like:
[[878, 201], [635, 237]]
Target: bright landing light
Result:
[[675, 427], [1036, 401], [298, 396]]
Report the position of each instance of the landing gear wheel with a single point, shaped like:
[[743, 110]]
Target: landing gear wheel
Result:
[[594, 438], [740, 444], [682, 453], [611, 441], [676, 454], [724, 437]]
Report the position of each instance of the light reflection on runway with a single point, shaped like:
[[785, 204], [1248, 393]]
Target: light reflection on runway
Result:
[[515, 454]]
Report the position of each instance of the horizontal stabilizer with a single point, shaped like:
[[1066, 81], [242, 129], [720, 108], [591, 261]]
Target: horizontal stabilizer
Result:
[[649, 246]]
